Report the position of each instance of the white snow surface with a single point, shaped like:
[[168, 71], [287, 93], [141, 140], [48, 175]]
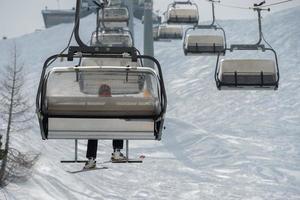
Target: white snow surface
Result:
[[217, 144]]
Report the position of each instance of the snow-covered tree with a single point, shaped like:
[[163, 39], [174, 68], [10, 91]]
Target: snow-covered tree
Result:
[[15, 114]]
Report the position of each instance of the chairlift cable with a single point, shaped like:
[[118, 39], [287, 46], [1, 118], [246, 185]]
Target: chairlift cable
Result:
[[232, 6], [274, 4], [247, 8]]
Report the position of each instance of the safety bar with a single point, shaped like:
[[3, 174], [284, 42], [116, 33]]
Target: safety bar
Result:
[[93, 51]]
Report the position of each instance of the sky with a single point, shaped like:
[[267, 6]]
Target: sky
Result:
[[18, 17]]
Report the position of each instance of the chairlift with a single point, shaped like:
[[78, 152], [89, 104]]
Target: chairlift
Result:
[[113, 3], [170, 32], [213, 43], [111, 17], [248, 73], [204, 44], [71, 108], [114, 14], [112, 38], [69, 103], [182, 12]]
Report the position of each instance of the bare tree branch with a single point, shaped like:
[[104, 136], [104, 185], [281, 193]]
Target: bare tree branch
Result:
[[14, 109]]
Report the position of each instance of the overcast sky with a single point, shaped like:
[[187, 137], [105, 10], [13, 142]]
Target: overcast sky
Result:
[[18, 17]]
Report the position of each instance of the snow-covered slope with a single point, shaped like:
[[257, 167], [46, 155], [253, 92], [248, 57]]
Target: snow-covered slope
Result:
[[217, 145]]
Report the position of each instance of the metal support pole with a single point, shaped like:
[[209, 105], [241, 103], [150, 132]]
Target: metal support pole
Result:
[[213, 12], [259, 26], [76, 150], [148, 32], [97, 25], [129, 5], [127, 150]]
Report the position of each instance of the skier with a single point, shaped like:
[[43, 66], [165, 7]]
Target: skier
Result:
[[91, 153]]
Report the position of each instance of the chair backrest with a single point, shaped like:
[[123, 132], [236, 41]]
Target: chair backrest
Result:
[[183, 12], [168, 29], [121, 39], [115, 14], [204, 39], [115, 2], [247, 66]]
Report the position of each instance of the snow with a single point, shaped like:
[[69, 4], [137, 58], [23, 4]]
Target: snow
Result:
[[217, 145]]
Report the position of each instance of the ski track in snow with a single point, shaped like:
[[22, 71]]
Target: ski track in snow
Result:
[[217, 145]]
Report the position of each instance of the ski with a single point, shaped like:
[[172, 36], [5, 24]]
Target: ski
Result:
[[87, 170], [139, 160]]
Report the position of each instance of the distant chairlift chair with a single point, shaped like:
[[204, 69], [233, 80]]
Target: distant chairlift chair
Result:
[[112, 38], [114, 17], [115, 3], [182, 12], [197, 44], [172, 32]]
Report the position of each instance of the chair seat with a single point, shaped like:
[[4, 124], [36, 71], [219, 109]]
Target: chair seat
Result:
[[94, 106], [77, 128]]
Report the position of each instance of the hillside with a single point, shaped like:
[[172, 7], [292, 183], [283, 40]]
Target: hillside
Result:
[[217, 145]]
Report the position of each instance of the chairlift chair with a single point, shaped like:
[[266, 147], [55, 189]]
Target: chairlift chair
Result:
[[198, 43], [115, 14], [182, 12], [69, 103], [114, 3], [112, 38], [204, 44], [70, 107], [170, 32], [248, 73]]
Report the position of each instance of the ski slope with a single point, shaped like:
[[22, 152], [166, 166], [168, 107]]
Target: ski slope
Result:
[[217, 144]]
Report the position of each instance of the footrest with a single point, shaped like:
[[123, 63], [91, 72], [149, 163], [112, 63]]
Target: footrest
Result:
[[73, 161], [127, 161]]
